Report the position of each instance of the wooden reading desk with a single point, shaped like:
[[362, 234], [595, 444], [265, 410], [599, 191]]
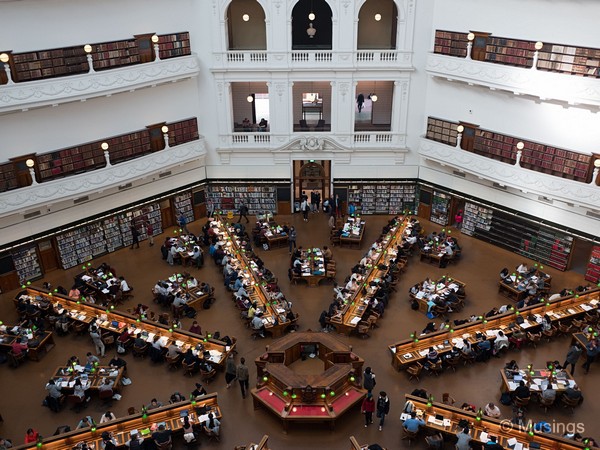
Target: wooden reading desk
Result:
[[415, 349], [144, 423], [65, 377], [347, 320], [274, 236], [180, 284], [275, 313], [441, 287], [313, 268], [537, 379], [262, 445], [444, 419], [352, 232], [512, 291], [45, 342], [115, 322]]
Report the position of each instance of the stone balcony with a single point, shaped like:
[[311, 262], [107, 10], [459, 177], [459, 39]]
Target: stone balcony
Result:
[[544, 86], [514, 176], [54, 91]]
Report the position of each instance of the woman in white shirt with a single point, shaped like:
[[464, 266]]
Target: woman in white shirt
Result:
[[107, 417], [492, 410]]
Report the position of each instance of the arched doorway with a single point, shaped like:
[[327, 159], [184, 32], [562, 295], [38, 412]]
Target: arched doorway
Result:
[[312, 25], [312, 176], [377, 25], [246, 29]]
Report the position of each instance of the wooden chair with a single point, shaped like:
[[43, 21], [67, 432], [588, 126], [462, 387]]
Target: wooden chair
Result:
[[207, 376], [565, 328], [212, 436], [570, 403], [140, 351], [440, 311], [108, 339], [546, 403], [414, 371], [521, 402], [106, 397], [467, 358], [453, 362], [578, 324], [549, 334], [189, 369], [16, 360], [173, 362], [409, 435], [534, 338], [80, 327], [334, 238], [436, 368], [363, 329], [77, 403], [165, 445]]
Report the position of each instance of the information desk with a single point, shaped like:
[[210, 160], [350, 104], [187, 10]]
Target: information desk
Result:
[[346, 321], [442, 287], [116, 321], [301, 397], [180, 284], [352, 232], [45, 341], [65, 377], [515, 290], [145, 424], [445, 419], [538, 380], [313, 267], [275, 312], [415, 349]]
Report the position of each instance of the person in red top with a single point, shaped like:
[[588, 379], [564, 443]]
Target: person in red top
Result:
[[367, 408], [18, 347], [31, 436]]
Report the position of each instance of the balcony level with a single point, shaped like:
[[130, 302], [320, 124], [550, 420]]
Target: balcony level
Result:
[[586, 195], [55, 91], [544, 86]]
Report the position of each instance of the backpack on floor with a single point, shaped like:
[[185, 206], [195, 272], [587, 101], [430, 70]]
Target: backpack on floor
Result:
[[506, 399]]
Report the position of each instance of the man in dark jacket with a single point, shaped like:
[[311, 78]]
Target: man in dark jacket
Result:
[[383, 408], [572, 357]]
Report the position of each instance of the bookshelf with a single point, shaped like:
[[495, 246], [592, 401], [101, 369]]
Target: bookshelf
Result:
[[440, 205], [80, 245], [593, 268], [60, 62], [139, 217], [8, 177], [495, 146], [70, 161], [581, 61], [128, 146], [513, 52], [27, 264], [442, 131], [392, 198], [182, 204], [258, 198], [173, 45], [476, 217], [112, 233], [183, 131], [451, 43]]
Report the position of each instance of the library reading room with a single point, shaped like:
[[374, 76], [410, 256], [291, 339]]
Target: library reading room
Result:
[[299, 224]]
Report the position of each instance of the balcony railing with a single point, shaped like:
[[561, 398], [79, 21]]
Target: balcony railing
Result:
[[360, 140], [101, 179], [54, 91], [544, 85], [513, 175], [312, 60]]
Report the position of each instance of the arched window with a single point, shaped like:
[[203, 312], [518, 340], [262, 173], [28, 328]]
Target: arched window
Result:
[[377, 25], [312, 25], [246, 28]]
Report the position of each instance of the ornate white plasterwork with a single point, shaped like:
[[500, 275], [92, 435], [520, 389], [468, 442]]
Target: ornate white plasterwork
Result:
[[100, 179], [538, 83], [555, 188], [34, 94]]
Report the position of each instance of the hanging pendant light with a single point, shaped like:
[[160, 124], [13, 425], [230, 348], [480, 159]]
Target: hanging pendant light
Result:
[[311, 15], [374, 95], [250, 97]]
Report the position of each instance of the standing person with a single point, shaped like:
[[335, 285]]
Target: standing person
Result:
[[458, 219], [182, 221], [383, 408], [230, 370], [591, 350], [318, 199], [243, 212], [304, 207], [369, 380], [243, 375], [292, 238], [337, 205], [97, 338], [572, 357], [210, 207], [150, 233], [135, 236], [368, 408], [351, 209], [313, 201], [360, 100]]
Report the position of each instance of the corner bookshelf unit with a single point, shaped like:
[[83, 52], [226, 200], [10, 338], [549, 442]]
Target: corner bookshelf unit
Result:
[[27, 264], [440, 205], [509, 51], [593, 268], [182, 204], [173, 45], [391, 198], [451, 43], [228, 198], [442, 131], [60, 62], [139, 217], [80, 245], [476, 218]]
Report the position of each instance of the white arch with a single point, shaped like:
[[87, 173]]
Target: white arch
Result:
[[264, 4], [222, 13], [400, 6], [331, 3]]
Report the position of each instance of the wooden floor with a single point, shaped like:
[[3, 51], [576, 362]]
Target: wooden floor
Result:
[[22, 389]]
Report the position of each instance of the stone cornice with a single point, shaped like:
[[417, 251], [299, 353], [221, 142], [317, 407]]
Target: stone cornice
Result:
[[568, 191], [54, 91], [87, 183]]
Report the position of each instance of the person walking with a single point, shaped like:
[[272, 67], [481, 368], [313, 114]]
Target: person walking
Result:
[[458, 219], [182, 221], [337, 205], [150, 233], [383, 408], [96, 336], [572, 357], [360, 100], [243, 375], [591, 350], [243, 212], [135, 237], [292, 238], [230, 370], [368, 408], [369, 380]]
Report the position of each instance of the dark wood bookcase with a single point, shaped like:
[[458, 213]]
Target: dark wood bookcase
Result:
[[513, 52], [442, 131], [451, 43], [173, 45]]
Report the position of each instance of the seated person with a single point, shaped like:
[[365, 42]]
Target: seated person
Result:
[[492, 410], [117, 362], [106, 386], [195, 328], [176, 397], [522, 391], [258, 325], [86, 421], [199, 390], [154, 404], [511, 368], [190, 359], [212, 424], [162, 435], [413, 424], [492, 444], [107, 417], [500, 342], [573, 393]]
